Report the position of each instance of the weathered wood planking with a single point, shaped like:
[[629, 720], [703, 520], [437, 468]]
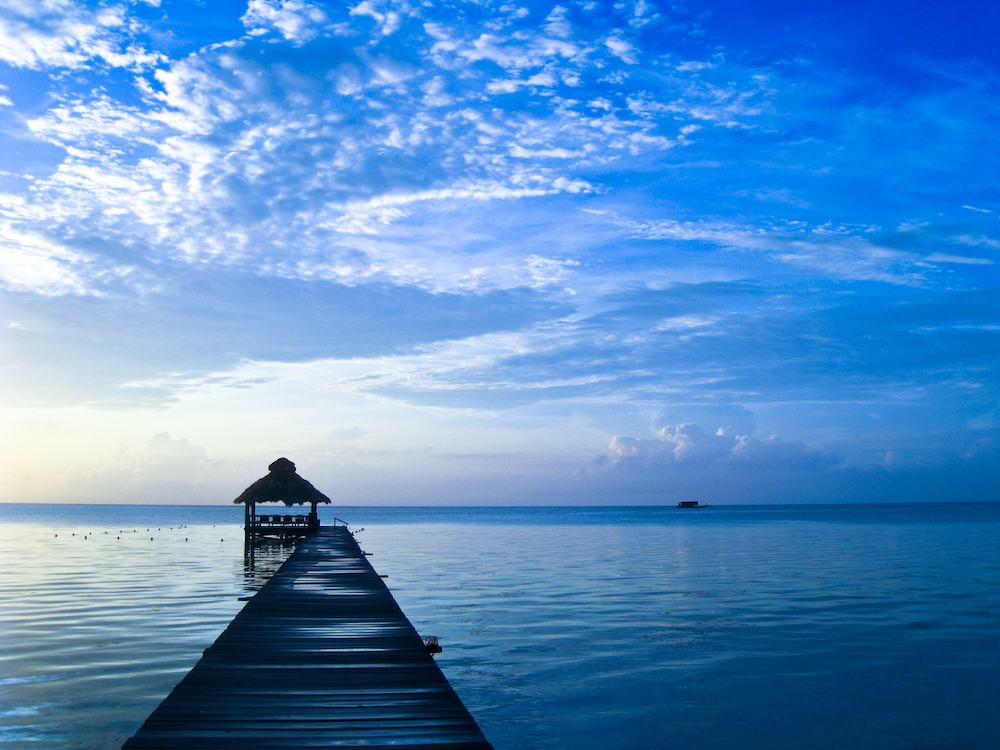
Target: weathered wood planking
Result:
[[322, 656]]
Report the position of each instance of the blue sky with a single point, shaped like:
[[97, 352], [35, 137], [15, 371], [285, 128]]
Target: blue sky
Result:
[[500, 253]]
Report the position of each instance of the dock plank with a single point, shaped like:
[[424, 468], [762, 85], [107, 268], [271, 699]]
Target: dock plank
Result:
[[322, 656]]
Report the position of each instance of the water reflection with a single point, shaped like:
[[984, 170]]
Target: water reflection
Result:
[[261, 561], [100, 621]]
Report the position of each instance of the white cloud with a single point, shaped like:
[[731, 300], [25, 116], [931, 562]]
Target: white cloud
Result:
[[88, 123], [514, 11], [65, 34], [549, 271], [296, 20], [201, 92], [840, 252], [622, 49], [474, 191], [727, 105], [966, 239], [643, 13], [773, 195], [31, 262], [693, 66], [550, 153], [557, 25], [387, 18], [435, 91], [945, 258], [688, 445], [513, 54]]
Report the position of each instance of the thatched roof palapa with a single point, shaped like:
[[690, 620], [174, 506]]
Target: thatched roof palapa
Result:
[[282, 485]]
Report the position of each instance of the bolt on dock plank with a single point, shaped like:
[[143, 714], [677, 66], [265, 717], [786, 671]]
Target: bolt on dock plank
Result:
[[322, 656]]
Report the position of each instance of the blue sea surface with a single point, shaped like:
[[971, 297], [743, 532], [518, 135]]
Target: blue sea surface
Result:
[[736, 627]]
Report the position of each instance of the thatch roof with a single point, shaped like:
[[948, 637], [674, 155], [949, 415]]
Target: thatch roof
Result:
[[282, 485]]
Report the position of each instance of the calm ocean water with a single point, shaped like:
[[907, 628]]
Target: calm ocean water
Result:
[[725, 628]]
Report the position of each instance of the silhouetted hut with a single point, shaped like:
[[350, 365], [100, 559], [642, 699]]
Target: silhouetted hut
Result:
[[281, 485]]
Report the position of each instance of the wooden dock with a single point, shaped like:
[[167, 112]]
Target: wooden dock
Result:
[[322, 656]]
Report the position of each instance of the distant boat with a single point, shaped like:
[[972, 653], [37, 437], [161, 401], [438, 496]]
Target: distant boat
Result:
[[690, 504]]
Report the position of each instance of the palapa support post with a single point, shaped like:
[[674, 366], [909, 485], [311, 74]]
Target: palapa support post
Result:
[[281, 485], [248, 530], [313, 519]]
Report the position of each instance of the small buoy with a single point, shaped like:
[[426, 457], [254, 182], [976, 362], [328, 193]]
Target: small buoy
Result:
[[57, 536], [185, 539], [150, 538], [117, 537], [431, 645]]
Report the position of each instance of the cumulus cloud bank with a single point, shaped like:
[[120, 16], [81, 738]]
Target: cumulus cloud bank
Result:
[[687, 445], [164, 470]]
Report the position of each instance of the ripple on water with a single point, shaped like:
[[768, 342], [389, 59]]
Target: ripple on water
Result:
[[562, 629]]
